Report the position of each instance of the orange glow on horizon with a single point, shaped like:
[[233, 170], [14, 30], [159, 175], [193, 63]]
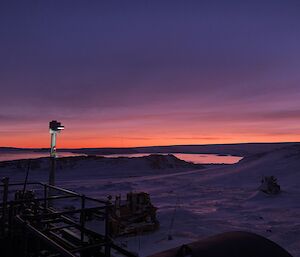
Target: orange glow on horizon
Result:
[[152, 132], [84, 141]]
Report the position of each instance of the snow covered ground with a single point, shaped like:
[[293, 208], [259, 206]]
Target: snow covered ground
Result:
[[201, 201]]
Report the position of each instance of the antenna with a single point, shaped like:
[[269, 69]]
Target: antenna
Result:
[[26, 179]]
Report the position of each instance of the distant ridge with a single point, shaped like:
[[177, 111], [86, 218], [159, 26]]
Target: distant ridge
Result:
[[243, 149], [8, 148], [238, 149]]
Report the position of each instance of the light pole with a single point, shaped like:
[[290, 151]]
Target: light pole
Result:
[[55, 127]]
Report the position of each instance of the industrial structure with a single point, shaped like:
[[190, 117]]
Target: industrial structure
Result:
[[30, 226], [55, 127], [228, 244], [135, 215]]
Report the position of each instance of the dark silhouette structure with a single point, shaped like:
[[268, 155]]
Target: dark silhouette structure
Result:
[[230, 244]]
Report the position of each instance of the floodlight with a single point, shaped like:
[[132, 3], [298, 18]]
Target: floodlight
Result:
[[54, 127]]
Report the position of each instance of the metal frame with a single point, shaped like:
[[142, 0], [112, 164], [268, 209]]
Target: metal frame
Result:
[[38, 218]]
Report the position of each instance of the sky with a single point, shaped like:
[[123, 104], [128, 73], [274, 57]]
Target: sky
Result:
[[141, 73]]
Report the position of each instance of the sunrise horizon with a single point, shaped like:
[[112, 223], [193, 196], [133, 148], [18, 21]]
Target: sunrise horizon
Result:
[[150, 128], [62, 147], [125, 75]]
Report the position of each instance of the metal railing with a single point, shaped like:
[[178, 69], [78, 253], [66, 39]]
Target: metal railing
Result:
[[39, 217]]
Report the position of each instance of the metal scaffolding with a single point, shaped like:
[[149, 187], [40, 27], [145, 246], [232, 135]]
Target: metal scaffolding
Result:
[[31, 226]]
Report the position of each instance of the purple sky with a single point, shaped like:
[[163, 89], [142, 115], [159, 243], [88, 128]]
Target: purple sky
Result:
[[125, 73]]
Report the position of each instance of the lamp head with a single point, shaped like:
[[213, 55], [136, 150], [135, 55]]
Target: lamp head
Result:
[[56, 126]]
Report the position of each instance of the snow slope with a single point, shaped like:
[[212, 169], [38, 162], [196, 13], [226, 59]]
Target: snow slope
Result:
[[96, 167], [201, 202]]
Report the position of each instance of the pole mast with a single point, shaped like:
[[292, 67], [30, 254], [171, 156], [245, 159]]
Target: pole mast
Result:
[[55, 127]]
